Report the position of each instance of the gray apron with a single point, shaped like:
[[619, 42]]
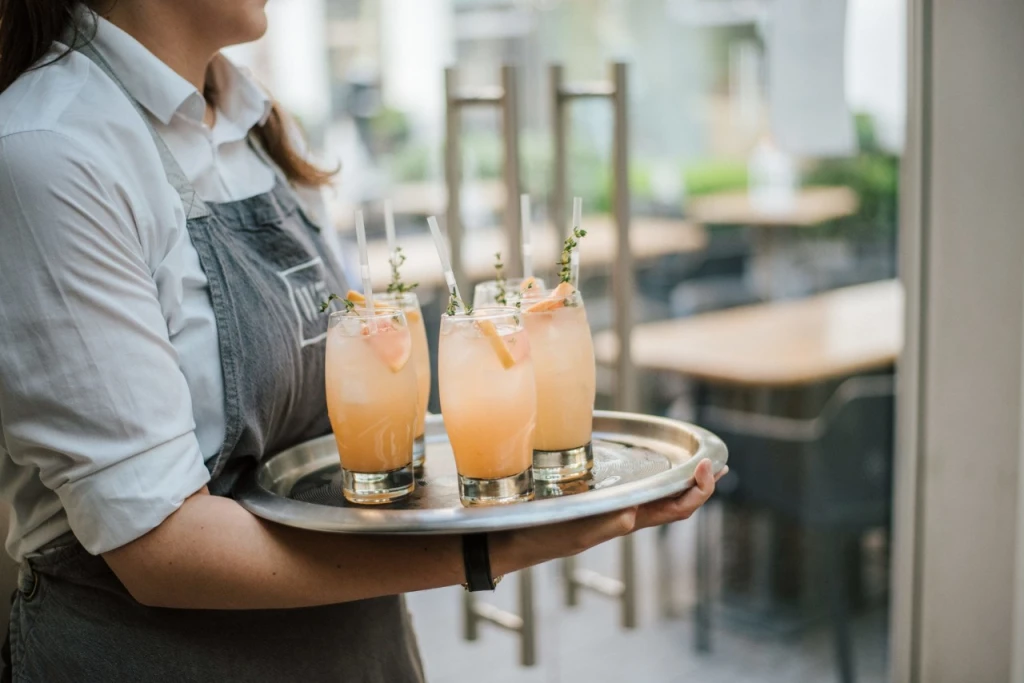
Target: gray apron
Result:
[[72, 620]]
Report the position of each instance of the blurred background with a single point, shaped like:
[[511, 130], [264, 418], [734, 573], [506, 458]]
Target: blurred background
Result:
[[765, 139]]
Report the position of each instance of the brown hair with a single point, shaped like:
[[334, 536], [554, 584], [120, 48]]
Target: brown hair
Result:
[[28, 28]]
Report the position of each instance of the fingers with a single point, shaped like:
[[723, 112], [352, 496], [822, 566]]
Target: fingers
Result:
[[682, 507], [704, 478], [540, 544]]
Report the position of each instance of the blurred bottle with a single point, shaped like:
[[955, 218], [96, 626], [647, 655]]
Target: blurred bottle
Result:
[[773, 178]]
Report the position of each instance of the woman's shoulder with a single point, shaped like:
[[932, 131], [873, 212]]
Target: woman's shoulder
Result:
[[72, 107], [70, 138]]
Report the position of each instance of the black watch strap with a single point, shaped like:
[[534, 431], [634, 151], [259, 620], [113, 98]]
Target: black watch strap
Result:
[[476, 557]]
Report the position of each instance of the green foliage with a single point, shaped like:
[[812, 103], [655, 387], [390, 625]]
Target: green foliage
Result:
[[714, 175], [873, 174]]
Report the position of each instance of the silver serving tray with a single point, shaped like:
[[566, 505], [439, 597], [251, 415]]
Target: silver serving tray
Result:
[[637, 459]]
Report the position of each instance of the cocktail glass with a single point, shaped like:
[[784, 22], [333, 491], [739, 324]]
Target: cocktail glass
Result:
[[489, 403], [563, 362], [410, 305], [372, 402]]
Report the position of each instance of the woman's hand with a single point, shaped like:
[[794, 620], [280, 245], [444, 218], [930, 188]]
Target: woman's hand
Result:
[[523, 548]]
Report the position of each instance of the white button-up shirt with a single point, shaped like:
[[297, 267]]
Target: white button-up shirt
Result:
[[111, 395]]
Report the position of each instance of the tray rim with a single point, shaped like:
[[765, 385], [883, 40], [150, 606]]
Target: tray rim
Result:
[[313, 517]]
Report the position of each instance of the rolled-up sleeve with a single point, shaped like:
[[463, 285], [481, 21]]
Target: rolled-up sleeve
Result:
[[91, 392]]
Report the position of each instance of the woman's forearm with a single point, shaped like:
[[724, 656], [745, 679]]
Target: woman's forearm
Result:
[[212, 554]]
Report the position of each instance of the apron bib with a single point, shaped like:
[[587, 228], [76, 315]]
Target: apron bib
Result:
[[268, 268]]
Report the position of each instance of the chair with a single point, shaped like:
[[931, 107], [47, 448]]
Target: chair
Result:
[[830, 474]]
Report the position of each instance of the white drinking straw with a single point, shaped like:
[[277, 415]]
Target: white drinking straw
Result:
[[446, 263], [524, 216], [389, 229], [574, 257], [364, 269]]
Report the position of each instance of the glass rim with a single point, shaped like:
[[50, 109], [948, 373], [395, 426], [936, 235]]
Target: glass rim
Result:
[[483, 313], [548, 291], [361, 313], [508, 280]]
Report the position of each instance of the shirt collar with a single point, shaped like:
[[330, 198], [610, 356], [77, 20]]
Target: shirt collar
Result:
[[164, 93]]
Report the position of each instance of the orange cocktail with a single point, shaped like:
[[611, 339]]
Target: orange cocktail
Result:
[[563, 362], [410, 305], [372, 402], [489, 402]]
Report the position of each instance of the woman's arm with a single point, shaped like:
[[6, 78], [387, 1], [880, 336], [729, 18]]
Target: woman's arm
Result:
[[212, 554]]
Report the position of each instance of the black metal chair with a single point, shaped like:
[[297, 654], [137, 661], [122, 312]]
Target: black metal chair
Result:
[[830, 474]]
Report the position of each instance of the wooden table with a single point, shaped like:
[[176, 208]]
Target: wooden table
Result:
[[811, 206], [778, 344], [650, 238]]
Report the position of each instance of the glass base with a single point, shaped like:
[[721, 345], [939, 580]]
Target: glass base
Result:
[[419, 452], [556, 489], [377, 488], [514, 489], [567, 465]]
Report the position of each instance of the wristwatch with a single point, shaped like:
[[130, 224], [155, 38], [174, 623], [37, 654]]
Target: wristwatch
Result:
[[476, 559]]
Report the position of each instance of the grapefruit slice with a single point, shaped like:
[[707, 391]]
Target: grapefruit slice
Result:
[[528, 284], [391, 344], [355, 297], [497, 343], [553, 301], [413, 316]]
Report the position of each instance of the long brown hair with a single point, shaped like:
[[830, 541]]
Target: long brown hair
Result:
[[28, 28]]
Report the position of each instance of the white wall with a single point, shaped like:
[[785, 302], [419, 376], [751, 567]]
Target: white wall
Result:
[[959, 408]]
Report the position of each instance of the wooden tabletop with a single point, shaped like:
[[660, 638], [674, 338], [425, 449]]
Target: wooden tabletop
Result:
[[787, 343], [811, 206], [650, 238]]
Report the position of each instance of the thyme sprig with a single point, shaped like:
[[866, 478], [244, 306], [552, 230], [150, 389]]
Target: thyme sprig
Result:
[[397, 286], [325, 306], [499, 278], [571, 242], [454, 304]]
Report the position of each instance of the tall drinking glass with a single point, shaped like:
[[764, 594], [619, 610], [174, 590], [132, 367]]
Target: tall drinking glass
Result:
[[372, 403], [507, 292], [489, 402], [410, 305], [563, 361]]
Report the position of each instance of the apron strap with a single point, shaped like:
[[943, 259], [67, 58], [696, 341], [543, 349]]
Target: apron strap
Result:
[[193, 205], [282, 182]]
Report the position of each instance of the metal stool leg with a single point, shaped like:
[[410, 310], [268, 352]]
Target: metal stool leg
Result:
[[524, 624], [628, 549], [837, 598], [666, 600], [702, 616], [623, 590], [572, 592]]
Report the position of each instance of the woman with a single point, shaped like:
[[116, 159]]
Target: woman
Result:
[[157, 219]]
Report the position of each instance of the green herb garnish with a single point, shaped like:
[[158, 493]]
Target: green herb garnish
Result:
[[499, 278], [397, 286], [454, 304], [326, 305], [571, 242]]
